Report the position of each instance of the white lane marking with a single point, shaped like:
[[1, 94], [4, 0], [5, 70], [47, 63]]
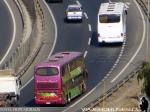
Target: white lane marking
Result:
[[89, 91], [109, 1], [85, 14], [89, 41], [118, 59], [78, 2], [55, 25], [128, 3], [90, 29], [14, 31], [107, 74], [143, 38], [26, 83], [85, 53], [82, 98]]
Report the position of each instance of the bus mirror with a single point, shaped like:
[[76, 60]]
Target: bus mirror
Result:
[[20, 82], [126, 12], [126, 7], [85, 74]]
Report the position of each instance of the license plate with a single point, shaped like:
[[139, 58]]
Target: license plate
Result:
[[48, 103]]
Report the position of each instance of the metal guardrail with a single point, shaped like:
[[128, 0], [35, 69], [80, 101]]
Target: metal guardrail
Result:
[[23, 56], [39, 14], [145, 7], [112, 90], [20, 53]]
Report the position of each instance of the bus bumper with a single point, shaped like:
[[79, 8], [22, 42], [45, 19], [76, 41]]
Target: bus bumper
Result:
[[44, 101], [110, 40]]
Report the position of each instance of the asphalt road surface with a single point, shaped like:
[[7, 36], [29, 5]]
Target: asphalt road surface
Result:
[[6, 28], [75, 37]]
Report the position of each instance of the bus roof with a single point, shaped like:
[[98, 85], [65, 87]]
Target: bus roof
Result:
[[111, 8], [59, 59]]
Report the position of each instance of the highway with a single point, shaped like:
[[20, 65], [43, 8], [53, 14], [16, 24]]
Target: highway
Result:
[[75, 36], [11, 29], [6, 28], [99, 59]]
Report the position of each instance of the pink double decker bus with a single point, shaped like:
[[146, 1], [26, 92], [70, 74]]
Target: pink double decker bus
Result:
[[60, 78]]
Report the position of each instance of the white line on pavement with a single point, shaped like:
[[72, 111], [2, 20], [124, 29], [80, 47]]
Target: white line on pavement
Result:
[[81, 98], [78, 2], [26, 83], [14, 31], [90, 29], [143, 38], [56, 32], [89, 91], [89, 41], [85, 14], [85, 53], [55, 25]]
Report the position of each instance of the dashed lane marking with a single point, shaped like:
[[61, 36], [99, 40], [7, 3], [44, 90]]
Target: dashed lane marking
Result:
[[78, 2], [90, 29], [85, 53], [89, 42], [137, 51], [85, 14]]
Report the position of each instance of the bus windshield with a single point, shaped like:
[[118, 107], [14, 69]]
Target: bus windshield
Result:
[[47, 71], [111, 18]]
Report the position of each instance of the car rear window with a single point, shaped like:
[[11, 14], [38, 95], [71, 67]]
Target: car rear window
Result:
[[73, 9]]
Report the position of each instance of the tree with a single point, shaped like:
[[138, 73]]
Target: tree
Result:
[[144, 74]]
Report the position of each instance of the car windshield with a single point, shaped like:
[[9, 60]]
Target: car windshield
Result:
[[74, 9], [111, 18], [47, 71]]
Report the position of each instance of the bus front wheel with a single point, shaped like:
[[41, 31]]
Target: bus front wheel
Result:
[[83, 88]]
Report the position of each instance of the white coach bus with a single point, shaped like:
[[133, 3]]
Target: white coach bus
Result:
[[112, 22]]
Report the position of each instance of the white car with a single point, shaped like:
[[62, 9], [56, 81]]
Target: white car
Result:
[[74, 12]]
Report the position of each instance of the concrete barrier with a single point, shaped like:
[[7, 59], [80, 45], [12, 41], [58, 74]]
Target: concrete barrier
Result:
[[145, 5]]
